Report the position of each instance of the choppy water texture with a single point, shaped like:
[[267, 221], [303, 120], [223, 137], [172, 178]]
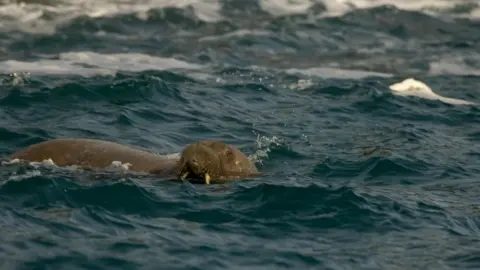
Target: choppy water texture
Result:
[[356, 177]]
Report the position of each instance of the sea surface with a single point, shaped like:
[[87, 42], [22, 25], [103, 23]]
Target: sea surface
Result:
[[356, 175]]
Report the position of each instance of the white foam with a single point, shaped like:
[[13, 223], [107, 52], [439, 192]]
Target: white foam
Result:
[[119, 164], [91, 63], [412, 5], [48, 162], [13, 161], [412, 87], [328, 72], [28, 174], [340, 7], [454, 66], [283, 7], [300, 85], [36, 164], [45, 16]]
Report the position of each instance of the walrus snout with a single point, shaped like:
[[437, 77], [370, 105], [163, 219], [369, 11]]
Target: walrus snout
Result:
[[192, 169], [191, 172]]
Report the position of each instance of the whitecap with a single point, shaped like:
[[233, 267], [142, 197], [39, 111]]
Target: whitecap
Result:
[[340, 7], [412, 87], [328, 72], [284, 7], [44, 16], [454, 65], [90, 63]]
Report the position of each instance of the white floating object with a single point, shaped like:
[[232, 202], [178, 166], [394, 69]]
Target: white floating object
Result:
[[412, 87]]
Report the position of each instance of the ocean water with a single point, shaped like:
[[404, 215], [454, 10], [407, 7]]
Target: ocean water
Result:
[[358, 174]]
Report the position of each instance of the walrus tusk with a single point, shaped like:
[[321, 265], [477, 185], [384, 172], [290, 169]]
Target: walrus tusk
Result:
[[207, 179]]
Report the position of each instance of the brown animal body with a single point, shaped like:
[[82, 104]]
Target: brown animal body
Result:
[[203, 161]]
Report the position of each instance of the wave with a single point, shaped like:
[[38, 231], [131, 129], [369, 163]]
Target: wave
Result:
[[88, 63], [386, 43], [328, 72], [310, 206], [45, 16], [116, 218], [471, 8], [376, 169], [455, 65]]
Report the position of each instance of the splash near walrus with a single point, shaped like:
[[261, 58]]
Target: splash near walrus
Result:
[[204, 161]]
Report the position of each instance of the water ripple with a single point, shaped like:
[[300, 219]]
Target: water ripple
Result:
[[355, 177]]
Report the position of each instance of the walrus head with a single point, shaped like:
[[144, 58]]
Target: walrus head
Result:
[[210, 160]]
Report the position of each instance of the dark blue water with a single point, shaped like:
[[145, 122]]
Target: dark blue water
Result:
[[355, 176]]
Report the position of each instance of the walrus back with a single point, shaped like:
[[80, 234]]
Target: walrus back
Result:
[[91, 153]]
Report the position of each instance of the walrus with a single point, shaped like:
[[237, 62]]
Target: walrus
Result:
[[200, 162]]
